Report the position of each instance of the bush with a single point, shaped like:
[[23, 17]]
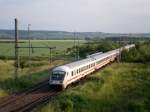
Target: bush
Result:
[[141, 53], [66, 105], [90, 48], [25, 63]]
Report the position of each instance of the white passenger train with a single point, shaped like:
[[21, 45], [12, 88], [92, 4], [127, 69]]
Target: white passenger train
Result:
[[72, 72]]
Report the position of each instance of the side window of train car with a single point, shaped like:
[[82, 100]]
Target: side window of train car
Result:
[[72, 73]]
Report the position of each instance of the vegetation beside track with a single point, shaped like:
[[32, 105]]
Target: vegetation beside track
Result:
[[26, 78], [120, 87], [93, 47], [39, 65], [139, 54]]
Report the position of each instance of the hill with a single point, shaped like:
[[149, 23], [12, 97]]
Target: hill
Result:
[[9, 34]]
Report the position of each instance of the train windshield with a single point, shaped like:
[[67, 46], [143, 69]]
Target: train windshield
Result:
[[58, 75]]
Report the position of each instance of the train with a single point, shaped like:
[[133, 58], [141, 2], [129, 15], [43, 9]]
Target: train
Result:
[[67, 74]]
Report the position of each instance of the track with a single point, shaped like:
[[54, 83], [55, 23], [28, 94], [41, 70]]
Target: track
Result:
[[23, 102]]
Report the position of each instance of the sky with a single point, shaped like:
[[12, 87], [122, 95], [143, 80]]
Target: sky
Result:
[[112, 16]]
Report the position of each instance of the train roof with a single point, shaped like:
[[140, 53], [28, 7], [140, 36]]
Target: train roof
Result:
[[88, 60], [78, 63], [61, 68], [91, 59]]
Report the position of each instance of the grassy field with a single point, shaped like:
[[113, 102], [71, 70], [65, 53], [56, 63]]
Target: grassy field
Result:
[[118, 88], [39, 67], [7, 49]]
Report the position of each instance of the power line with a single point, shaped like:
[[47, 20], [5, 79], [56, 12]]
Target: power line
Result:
[[17, 47]]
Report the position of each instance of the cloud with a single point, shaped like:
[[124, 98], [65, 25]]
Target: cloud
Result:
[[80, 15]]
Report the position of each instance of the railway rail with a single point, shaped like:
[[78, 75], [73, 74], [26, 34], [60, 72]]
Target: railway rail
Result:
[[23, 102]]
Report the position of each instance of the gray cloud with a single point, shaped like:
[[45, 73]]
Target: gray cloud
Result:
[[80, 15]]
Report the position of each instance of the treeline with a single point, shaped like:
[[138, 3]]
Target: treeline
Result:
[[141, 53], [92, 47]]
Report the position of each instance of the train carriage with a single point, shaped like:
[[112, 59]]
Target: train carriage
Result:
[[72, 72]]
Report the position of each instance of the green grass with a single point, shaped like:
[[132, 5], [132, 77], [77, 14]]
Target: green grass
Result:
[[39, 66], [7, 49], [118, 88], [26, 77]]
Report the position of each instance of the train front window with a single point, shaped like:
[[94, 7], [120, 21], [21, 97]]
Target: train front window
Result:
[[58, 75]]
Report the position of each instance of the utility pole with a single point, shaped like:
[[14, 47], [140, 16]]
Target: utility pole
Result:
[[50, 55], [16, 49], [29, 45], [74, 46], [78, 47]]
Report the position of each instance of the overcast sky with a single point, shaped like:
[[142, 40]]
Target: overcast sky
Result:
[[120, 16]]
